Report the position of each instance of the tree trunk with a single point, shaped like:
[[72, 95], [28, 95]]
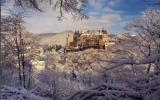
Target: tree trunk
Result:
[[23, 62], [19, 69], [158, 61], [29, 76], [19, 60], [0, 62], [149, 65]]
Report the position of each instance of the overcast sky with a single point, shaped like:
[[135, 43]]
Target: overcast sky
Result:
[[111, 15]]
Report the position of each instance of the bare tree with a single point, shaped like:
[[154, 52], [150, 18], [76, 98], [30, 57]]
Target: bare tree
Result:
[[12, 24], [74, 7], [20, 43], [147, 29]]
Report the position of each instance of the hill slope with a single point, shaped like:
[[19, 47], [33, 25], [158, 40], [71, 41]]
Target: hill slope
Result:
[[54, 38]]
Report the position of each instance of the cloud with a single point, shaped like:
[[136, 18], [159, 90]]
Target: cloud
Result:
[[112, 3], [47, 21], [96, 3], [105, 19], [6, 7]]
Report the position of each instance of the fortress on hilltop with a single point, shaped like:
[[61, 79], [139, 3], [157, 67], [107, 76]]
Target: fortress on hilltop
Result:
[[85, 39]]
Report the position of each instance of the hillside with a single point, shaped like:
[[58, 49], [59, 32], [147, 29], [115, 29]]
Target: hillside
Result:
[[54, 38]]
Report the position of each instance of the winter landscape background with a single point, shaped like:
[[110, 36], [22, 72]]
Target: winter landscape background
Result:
[[35, 66]]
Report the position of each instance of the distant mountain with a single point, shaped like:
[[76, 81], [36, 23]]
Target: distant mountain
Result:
[[54, 38], [46, 34]]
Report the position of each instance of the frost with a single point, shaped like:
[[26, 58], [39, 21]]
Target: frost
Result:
[[11, 93]]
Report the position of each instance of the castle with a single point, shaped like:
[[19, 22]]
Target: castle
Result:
[[82, 40]]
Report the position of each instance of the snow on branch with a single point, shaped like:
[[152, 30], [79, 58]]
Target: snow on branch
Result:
[[119, 63], [106, 91]]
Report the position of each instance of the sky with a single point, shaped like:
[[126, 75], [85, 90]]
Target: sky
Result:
[[112, 15]]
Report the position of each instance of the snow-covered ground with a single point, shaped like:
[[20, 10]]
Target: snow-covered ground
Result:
[[12, 93]]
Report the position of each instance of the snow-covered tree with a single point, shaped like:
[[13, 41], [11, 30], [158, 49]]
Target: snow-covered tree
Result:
[[18, 45], [147, 29], [144, 86]]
